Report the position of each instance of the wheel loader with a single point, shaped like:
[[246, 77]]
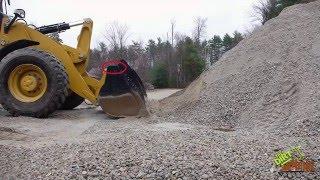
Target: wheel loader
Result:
[[39, 75]]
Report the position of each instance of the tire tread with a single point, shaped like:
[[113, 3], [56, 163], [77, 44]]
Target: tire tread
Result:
[[59, 96]]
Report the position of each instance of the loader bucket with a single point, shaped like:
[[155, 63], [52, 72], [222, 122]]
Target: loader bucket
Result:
[[123, 93]]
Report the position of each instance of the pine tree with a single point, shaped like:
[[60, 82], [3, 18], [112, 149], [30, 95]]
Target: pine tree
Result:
[[215, 45], [237, 37], [193, 65], [152, 50], [227, 42], [159, 76]]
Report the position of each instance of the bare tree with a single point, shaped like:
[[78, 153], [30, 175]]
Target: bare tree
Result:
[[265, 10], [173, 25], [200, 29], [111, 36], [122, 31], [179, 37], [117, 36]]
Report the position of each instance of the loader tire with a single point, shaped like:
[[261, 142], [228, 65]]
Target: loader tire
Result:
[[73, 100], [32, 83]]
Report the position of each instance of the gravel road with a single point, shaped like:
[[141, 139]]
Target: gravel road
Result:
[[85, 144], [97, 147]]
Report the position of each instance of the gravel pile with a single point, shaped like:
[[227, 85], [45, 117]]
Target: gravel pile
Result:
[[266, 89], [269, 83]]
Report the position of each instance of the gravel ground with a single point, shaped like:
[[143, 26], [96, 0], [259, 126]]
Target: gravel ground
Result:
[[159, 94], [144, 148], [262, 97]]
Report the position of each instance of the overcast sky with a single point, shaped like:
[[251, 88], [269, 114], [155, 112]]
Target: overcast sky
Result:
[[146, 19]]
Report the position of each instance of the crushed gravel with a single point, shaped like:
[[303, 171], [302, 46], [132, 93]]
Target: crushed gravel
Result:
[[261, 97]]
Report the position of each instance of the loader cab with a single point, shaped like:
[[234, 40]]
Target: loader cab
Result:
[[7, 21]]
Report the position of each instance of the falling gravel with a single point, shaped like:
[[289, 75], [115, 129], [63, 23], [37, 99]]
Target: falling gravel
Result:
[[262, 97]]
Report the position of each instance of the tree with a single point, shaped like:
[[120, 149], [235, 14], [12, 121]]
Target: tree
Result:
[[285, 3], [151, 51], [215, 45], [199, 30], [192, 65], [227, 42], [237, 37], [173, 25], [117, 35], [98, 56], [266, 10], [179, 52], [159, 76], [162, 52], [103, 51], [137, 58], [178, 37], [134, 53]]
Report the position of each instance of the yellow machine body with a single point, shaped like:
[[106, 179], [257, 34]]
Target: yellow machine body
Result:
[[74, 59]]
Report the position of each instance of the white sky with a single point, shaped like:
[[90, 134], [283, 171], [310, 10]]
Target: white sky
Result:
[[146, 19]]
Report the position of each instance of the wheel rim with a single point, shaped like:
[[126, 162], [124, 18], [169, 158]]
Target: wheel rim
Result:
[[27, 83]]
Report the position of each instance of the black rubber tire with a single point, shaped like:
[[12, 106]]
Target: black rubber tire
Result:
[[73, 100], [57, 80]]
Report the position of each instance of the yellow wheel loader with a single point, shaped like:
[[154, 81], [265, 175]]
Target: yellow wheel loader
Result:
[[39, 75]]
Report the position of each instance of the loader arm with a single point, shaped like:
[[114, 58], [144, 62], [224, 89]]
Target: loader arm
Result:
[[81, 55], [84, 39]]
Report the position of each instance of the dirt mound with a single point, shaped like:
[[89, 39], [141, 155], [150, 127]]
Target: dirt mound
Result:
[[270, 81]]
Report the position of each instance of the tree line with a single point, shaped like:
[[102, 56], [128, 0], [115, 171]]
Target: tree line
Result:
[[173, 62]]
